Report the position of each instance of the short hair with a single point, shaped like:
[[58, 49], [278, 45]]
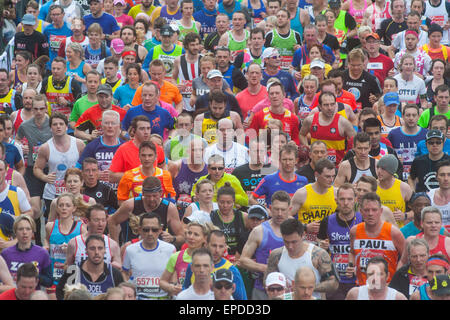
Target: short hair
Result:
[[317, 142], [336, 73], [191, 36], [310, 27], [410, 106], [21, 218], [290, 226], [370, 180], [273, 83], [73, 172], [95, 27], [413, 13], [366, 112], [227, 190], [324, 94], [217, 96], [371, 123], [321, 18], [363, 29], [216, 158], [95, 237], [322, 164], [27, 270], [279, 1], [56, 6], [378, 260], [130, 285], [441, 88], [134, 122], [58, 115], [157, 63], [32, 4], [147, 144], [289, 148], [285, 10], [281, 196], [441, 164], [40, 97], [327, 82], [95, 207], [356, 54], [151, 183], [417, 242], [111, 113], [114, 290], [256, 31], [439, 117], [392, 4], [152, 84], [205, 59], [311, 77], [370, 196], [202, 252], [216, 232], [149, 215], [346, 186], [305, 269], [112, 60], [59, 59], [201, 183], [430, 209], [132, 28], [159, 22], [361, 137], [89, 160], [387, 79], [94, 73], [144, 22]]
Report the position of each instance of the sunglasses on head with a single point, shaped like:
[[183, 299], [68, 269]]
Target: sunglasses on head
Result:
[[154, 230], [272, 289], [219, 286], [217, 168]]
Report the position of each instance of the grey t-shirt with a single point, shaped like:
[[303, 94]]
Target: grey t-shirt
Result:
[[35, 136], [200, 87]]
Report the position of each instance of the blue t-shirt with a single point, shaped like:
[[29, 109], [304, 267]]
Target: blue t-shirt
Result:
[[43, 11], [12, 154], [98, 150], [299, 56], [124, 95], [159, 119], [286, 79], [93, 57], [208, 21], [411, 230], [273, 182], [405, 145], [55, 37], [422, 148], [106, 21]]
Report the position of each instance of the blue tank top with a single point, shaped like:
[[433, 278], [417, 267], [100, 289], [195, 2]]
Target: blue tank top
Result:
[[257, 12], [9, 209], [295, 23], [270, 241], [423, 292], [57, 255], [304, 5], [97, 288], [227, 76], [78, 71], [221, 9], [169, 17], [340, 244]]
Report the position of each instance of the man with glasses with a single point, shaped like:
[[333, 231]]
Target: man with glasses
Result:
[[135, 265], [223, 286], [422, 177], [379, 65], [437, 122]]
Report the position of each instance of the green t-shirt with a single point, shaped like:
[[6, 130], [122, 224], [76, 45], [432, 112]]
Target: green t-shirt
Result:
[[80, 106], [170, 267], [424, 119]]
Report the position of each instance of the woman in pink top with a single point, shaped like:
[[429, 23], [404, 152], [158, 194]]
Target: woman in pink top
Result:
[[122, 18], [356, 9]]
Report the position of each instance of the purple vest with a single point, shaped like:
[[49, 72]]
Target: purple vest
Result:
[[170, 18], [269, 242], [340, 245], [183, 183], [97, 288]]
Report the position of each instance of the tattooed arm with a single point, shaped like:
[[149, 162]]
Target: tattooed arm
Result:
[[322, 262], [272, 262]]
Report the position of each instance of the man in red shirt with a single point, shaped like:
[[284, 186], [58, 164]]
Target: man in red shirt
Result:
[[379, 65], [27, 281], [91, 119], [127, 156], [276, 110]]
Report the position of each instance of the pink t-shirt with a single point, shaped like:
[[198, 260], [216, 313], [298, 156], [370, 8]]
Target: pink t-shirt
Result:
[[124, 20], [287, 103], [247, 100]]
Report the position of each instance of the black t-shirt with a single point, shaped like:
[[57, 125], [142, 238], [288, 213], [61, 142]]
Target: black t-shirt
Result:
[[331, 41], [362, 87], [212, 41], [232, 104], [103, 194], [36, 44], [308, 172], [389, 28], [424, 169]]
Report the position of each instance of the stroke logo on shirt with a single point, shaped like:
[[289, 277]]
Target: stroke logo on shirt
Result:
[[155, 122]]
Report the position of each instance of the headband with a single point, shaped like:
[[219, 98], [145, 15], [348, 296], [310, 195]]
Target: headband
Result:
[[412, 32], [126, 53], [438, 262], [152, 190]]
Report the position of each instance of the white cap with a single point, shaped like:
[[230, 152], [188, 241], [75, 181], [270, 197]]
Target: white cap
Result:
[[276, 278], [198, 216], [214, 73], [317, 63]]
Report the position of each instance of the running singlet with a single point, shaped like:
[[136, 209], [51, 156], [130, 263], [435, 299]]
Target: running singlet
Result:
[[235, 46], [187, 72], [393, 199], [440, 247], [331, 136], [7, 103], [339, 237], [209, 127], [303, 109], [98, 288], [363, 293], [80, 249], [445, 209], [315, 208], [379, 16], [54, 94], [357, 14], [167, 58], [366, 247], [57, 254], [232, 230], [357, 173], [170, 18], [9, 209], [118, 84], [385, 129], [285, 47]]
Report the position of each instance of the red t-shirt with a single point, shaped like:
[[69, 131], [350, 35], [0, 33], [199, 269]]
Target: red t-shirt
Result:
[[9, 295], [380, 67], [288, 118], [91, 119], [127, 157], [346, 97], [247, 100]]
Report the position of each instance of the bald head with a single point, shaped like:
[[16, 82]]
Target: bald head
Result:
[[305, 273], [304, 284]]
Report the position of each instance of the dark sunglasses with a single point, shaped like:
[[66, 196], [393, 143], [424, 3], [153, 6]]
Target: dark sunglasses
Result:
[[154, 230], [432, 143], [227, 286], [272, 289], [217, 168]]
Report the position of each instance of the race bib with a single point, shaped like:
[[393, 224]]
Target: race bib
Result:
[[331, 155], [341, 263], [58, 270], [187, 87], [311, 237], [414, 283], [147, 285], [286, 61], [60, 187], [60, 108], [440, 20], [375, 66]]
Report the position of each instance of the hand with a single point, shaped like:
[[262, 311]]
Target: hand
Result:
[[51, 178], [25, 148], [298, 76], [95, 134], [167, 237], [126, 107], [350, 271], [296, 47], [324, 244], [399, 215], [19, 88], [104, 175], [63, 101], [175, 289], [313, 227], [372, 98]]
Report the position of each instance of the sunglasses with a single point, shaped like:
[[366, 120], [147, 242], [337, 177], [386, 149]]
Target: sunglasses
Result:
[[227, 286], [154, 230], [272, 289], [275, 57], [217, 168], [432, 143]]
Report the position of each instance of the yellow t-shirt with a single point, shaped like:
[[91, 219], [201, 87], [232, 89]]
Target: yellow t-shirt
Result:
[[393, 199], [138, 9]]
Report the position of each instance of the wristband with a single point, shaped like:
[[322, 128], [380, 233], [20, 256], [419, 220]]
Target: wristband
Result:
[[406, 216]]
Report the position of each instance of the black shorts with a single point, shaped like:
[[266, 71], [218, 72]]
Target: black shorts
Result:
[[34, 185]]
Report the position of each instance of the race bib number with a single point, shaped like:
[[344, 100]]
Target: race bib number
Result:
[[311, 237], [55, 42], [414, 283], [440, 20], [147, 285], [375, 66], [341, 263], [187, 87], [332, 155], [58, 270], [286, 61], [60, 108], [60, 187]]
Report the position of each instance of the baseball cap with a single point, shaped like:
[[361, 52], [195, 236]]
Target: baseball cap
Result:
[[440, 285], [434, 27], [257, 211], [117, 45], [214, 73], [276, 278], [317, 63], [223, 275], [391, 98], [434, 134], [268, 52], [389, 163], [166, 30], [334, 3], [198, 216], [373, 35], [104, 88], [29, 19], [122, 2]]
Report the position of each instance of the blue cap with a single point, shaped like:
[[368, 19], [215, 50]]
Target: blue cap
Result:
[[391, 98]]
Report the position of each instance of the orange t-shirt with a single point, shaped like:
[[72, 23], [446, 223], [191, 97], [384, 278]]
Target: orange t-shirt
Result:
[[365, 247], [130, 186], [127, 157], [169, 94]]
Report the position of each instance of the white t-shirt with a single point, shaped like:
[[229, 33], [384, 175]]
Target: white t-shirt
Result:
[[24, 205], [399, 40], [409, 91], [234, 157], [423, 61], [190, 294], [146, 276]]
